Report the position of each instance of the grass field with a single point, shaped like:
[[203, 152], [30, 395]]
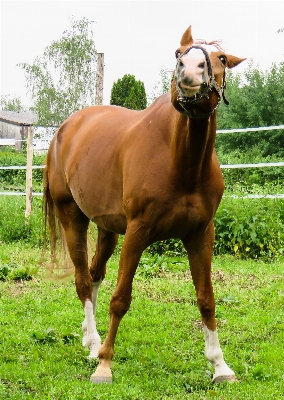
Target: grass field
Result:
[[159, 351]]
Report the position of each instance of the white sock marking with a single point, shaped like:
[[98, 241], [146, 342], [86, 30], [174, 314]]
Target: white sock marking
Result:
[[214, 353], [91, 338]]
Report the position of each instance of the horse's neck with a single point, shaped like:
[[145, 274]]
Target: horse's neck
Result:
[[192, 146]]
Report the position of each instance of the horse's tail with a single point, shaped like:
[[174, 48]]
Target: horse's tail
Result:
[[52, 228], [49, 218]]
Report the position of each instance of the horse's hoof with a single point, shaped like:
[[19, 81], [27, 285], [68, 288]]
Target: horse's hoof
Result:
[[101, 379], [101, 375], [225, 378]]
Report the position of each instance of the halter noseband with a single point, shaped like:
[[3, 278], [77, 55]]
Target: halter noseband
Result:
[[184, 101]]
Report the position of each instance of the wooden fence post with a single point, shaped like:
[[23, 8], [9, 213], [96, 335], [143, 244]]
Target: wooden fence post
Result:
[[100, 80], [29, 173]]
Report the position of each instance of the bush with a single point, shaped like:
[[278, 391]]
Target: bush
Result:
[[129, 92], [245, 227]]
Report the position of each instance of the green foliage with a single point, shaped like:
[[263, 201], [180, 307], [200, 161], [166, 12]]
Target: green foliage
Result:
[[16, 271], [161, 87], [14, 227], [256, 98], [7, 103], [15, 179], [244, 227], [251, 148], [170, 246], [157, 265], [128, 92], [63, 79]]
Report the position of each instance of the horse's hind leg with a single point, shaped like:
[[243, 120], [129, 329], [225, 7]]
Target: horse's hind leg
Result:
[[106, 243], [75, 225]]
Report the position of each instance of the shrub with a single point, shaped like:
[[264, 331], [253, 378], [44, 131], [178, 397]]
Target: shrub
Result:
[[129, 92], [244, 227]]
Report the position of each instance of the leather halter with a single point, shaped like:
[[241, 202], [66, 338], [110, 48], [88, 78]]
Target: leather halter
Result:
[[186, 102]]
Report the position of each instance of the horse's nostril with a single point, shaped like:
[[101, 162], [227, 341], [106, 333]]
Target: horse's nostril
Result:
[[187, 80]]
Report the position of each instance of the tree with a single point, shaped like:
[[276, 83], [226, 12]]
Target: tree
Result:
[[256, 98], [63, 79], [162, 86], [11, 104], [128, 92]]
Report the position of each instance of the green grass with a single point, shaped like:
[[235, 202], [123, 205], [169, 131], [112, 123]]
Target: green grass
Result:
[[159, 351]]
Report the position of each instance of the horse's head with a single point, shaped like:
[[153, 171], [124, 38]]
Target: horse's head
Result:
[[199, 77]]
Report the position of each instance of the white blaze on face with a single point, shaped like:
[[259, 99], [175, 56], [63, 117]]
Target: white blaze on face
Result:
[[193, 70]]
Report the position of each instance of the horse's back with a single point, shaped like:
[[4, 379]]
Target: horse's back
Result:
[[94, 153]]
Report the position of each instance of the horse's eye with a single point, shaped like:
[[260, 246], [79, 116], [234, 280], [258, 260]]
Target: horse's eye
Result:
[[223, 59], [178, 53]]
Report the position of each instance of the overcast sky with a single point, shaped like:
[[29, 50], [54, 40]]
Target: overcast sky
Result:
[[138, 37]]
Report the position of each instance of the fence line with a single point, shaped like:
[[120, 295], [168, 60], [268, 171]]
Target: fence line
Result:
[[19, 193], [258, 165], [255, 196], [239, 130], [23, 167], [231, 196], [223, 166]]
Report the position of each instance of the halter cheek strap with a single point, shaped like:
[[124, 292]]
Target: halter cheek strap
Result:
[[186, 102]]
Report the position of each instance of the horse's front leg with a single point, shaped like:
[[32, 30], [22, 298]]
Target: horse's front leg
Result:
[[133, 246], [199, 250]]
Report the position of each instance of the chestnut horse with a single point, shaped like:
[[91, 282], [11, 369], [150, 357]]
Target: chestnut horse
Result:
[[149, 175]]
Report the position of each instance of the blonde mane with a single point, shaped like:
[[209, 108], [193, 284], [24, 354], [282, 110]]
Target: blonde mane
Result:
[[216, 43]]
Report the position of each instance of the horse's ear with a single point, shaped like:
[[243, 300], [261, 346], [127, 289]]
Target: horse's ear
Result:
[[233, 61], [186, 38]]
